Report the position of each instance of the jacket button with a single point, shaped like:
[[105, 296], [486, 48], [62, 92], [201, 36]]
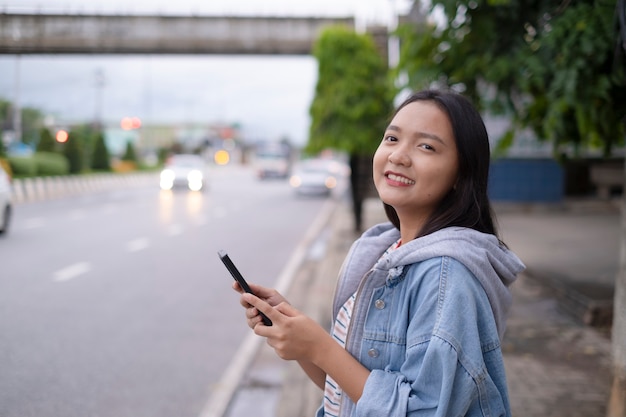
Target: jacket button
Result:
[[372, 353], [380, 304]]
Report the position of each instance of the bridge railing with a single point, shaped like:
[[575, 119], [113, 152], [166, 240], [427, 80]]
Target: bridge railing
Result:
[[156, 34]]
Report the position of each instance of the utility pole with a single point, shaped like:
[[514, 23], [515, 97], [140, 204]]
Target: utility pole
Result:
[[99, 83], [393, 41], [17, 109]]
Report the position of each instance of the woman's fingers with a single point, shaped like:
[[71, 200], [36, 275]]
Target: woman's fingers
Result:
[[287, 309], [237, 287], [261, 306], [268, 297], [253, 321]]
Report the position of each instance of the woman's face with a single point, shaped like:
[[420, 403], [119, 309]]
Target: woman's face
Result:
[[416, 163]]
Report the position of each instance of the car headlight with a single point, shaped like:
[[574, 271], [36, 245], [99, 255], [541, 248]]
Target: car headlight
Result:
[[331, 182], [295, 181], [194, 176], [194, 180], [167, 179], [167, 175]]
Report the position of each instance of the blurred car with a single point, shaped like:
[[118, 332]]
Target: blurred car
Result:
[[184, 171], [316, 176], [6, 203]]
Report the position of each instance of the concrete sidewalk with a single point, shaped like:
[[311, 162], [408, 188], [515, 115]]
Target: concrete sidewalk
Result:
[[557, 364]]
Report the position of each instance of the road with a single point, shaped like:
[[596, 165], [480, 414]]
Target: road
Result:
[[116, 304]]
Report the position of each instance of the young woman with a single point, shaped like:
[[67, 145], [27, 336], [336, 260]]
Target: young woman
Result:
[[421, 302]]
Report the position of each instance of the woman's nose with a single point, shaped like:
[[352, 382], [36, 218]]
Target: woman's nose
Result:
[[398, 157]]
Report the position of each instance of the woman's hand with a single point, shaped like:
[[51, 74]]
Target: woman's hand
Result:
[[293, 335], [269, 295]]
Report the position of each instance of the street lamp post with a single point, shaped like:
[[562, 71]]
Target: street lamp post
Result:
[[17, 109], [99, 83]]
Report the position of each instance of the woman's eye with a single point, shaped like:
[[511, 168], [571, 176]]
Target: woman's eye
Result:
[[427, 147], [390, 138]]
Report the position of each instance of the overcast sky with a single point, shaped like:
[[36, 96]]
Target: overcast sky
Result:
[[268, 95]]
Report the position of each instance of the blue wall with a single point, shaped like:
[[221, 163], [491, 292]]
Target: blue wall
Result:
[[526, 180]]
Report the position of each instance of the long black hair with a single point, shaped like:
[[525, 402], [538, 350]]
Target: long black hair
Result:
[[467, 204]]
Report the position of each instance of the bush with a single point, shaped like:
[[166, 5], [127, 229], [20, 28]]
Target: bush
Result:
[[49, 163], [39, 164], [23, 166]]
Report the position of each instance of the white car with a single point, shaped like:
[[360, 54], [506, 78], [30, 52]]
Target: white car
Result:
[[6, 204], [184, 170], [317, 176]]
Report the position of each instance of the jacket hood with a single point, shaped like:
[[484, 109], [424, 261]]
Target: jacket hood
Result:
[[494, 265]]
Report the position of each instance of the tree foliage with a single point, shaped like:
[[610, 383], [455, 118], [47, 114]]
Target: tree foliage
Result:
[[46, 143], [551, 65], [353, 97], [32, 120], [101, 160], [130, 154], [73, 151]]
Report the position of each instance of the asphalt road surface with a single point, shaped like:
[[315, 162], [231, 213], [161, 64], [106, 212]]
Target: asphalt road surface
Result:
[[116, 304]]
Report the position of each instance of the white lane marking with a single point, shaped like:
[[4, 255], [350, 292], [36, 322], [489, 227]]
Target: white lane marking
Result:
[[72, 271], [34, 222], [137, 244]]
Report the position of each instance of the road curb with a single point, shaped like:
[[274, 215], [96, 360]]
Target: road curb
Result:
[[223, 394], [594, 311]]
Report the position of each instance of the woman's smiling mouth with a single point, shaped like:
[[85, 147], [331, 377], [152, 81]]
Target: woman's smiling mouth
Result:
[[395, 178]]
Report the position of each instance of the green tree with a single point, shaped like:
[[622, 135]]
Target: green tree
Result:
[[5, 113], [129, 154], [88, 136], [353, 99], [101, 160], [32, 122], [46, 143], [550, 66], [73, 151], [557, 67]]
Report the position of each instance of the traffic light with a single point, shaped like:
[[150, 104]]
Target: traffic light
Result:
[[222, 157], [62, 136], [130, 123]]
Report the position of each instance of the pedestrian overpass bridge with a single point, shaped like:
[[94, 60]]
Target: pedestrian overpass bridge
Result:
[[163, 34]]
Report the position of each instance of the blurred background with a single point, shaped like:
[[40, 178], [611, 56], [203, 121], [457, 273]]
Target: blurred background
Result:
[[267, 96], [140, 138]]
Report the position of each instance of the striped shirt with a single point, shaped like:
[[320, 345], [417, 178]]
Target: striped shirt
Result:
[[332, 390]]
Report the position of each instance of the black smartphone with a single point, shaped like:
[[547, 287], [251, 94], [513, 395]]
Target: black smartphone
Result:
[[239, 278]]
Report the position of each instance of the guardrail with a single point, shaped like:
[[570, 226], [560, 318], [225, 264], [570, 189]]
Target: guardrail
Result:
[[43, 188]]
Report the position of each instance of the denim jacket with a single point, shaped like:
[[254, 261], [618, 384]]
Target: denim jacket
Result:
[[428, 321]]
